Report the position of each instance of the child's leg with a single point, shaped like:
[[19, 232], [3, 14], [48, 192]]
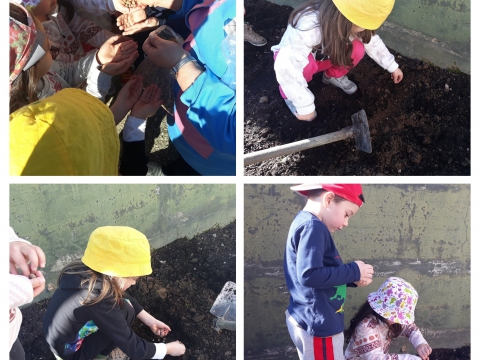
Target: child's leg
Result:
[[358, 52], [315, 348]]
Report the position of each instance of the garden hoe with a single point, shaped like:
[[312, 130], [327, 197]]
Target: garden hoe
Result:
[[224, 308], [359, 130]]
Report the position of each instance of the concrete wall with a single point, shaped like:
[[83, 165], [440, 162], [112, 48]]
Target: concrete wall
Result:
[[417, 232], [434, 30], [60, 218]]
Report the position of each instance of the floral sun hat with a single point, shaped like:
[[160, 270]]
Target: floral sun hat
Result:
[[395, 301], [28, 4]]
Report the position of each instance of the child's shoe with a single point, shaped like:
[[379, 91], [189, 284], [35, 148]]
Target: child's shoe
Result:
[[252, 37], [342, 82]]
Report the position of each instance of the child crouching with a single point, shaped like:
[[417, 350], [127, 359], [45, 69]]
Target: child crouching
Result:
[[89, 315], [387, 314]]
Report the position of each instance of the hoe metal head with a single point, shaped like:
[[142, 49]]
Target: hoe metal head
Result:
[[362, 132]]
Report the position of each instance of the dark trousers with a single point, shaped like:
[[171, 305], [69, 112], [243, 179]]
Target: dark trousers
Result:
[[17, 353]]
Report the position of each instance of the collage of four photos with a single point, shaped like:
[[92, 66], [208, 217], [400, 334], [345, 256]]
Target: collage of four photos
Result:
[[340, 206]]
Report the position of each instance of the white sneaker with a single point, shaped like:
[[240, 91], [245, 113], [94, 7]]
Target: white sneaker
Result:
[[343, 83]]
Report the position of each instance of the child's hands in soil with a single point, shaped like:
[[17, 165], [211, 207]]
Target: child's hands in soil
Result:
[[159, 328], [366, 272], [175, 348], [148, 103], [424, 350], [308, 117], [126, 98], [397, 76], [22, 254]]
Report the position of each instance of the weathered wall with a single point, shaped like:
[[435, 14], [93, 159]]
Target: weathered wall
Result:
[[417, 232], [60, 218], [438, 31]]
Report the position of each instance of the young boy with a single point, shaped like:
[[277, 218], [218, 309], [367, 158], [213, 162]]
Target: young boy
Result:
[[315, 274]]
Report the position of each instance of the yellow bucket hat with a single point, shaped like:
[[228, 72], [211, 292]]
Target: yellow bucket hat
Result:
[[68, 133], [118, 251], [368, 14]]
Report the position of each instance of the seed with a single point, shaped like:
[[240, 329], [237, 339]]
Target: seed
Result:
[[130, 3]]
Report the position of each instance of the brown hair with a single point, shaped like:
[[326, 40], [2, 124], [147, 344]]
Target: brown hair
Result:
[[23, 89], [336, 30], [110, 284], [394, 330], [69, 9]]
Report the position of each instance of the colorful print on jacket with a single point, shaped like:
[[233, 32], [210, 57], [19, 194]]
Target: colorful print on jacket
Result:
[[88, 329]]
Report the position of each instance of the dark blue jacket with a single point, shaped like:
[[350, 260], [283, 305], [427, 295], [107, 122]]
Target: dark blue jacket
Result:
[[316, 277]]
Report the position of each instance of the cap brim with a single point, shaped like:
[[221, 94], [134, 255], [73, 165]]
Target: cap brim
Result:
[[302, 189]]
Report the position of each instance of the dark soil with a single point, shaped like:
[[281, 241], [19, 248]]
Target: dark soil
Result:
[[416, 126], [187, 277], [289, 353]]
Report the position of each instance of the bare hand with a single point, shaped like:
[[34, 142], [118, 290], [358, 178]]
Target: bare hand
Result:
[[21, 254], [424, 350], [361, 283], [163, 53], [116, 49], [129, 19], [146, 25], [175, 348], [159, 328], [366, 271], [148, 103], [127, 97], [117, 68], [38, 282], [307, 117], [119, 6], [397, 76]]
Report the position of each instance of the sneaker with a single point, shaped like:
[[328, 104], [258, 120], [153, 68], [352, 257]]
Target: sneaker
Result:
[[252, 37], [342, 82]]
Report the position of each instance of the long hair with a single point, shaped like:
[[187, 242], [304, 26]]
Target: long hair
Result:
[[111, 285], [23, 88], [394, 330], [69, 9], [336, 30]]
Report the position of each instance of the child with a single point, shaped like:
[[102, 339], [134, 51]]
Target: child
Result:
[[314, 272], [329, 36], [34, 75], [90, 315], [67, 32], [387, 314]]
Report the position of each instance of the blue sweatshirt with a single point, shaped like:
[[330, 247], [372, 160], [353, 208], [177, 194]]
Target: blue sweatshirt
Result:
[[316, 277]]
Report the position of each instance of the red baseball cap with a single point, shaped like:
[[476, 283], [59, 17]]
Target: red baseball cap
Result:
[[350, 192]]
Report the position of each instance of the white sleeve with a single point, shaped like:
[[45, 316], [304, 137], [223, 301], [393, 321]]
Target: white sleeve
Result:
[[377, 50], [134, 129], [20, 290], [161, 351], [292, 57], [14, 237]]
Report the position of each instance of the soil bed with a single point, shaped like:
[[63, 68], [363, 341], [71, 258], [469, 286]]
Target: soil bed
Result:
[[187, 277], [417, 127]]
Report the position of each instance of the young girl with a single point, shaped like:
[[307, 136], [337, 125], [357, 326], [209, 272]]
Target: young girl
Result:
[[329, 36], [89, 315], [35, 75], [387, 314], [68, 33]]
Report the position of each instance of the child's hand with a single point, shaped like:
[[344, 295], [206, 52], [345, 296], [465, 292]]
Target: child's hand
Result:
[[308, 117], [159, 328], [397, 76], [118, 68], [148, 103], [25, 256], [38, 282], [161, 52], [175, 348], [116, 49], [127, 97], [145, 25], [135, 22], [363, 283], [424, 350], [366, 271]]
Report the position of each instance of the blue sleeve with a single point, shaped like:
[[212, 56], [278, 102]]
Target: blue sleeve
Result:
[[311, 271], [210, 100]]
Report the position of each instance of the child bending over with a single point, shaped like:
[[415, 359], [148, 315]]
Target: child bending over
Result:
[[388, 313], [90, 314], [330, 36]]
